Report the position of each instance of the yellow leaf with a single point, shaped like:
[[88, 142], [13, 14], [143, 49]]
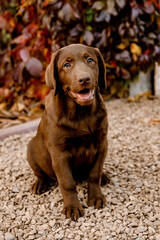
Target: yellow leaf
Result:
[[121, 46], [135, 48]]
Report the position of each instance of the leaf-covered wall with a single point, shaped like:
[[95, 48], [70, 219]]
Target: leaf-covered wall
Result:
[[126, 32]]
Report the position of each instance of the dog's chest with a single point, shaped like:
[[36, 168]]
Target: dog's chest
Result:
[[82, 150], [81, 139]]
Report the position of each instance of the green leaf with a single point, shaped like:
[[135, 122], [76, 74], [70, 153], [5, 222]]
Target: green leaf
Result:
[[89, 15], [89, 28]]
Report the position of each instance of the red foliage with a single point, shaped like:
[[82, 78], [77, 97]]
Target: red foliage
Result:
[[127, 33]]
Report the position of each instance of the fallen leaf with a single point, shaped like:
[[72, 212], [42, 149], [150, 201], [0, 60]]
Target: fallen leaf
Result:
[[153, 122]]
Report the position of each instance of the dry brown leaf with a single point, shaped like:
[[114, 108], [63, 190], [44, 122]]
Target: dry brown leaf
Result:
[[154, 122]]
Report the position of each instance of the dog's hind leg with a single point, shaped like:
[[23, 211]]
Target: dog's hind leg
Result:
[[37, 152]]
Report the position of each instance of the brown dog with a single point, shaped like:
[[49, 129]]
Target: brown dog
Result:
[[71, 141]]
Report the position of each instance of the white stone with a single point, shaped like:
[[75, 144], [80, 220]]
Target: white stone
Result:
[[9, 236]]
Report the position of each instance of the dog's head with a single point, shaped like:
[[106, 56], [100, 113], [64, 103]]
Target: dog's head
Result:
[[78, 70]]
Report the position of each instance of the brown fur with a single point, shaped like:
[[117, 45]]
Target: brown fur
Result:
[[71, 141]]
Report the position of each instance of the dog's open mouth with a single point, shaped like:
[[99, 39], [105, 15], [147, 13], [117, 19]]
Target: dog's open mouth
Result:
[[84, 95]]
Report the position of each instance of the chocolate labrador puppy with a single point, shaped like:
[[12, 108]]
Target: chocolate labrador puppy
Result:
[[71, 141]]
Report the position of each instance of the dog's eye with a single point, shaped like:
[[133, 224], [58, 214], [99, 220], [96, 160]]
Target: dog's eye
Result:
[[67, 65], [90, 60]]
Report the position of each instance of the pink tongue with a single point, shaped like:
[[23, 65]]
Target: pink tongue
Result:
[[84, 96]]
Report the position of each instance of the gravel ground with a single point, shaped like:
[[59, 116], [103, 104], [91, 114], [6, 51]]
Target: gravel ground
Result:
[[132, 211]]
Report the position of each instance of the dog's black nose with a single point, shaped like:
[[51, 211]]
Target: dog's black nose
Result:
[[84, 79]]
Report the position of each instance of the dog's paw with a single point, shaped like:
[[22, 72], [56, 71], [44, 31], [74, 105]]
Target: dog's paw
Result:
[[39, 187], [73, 212], [98, 201]]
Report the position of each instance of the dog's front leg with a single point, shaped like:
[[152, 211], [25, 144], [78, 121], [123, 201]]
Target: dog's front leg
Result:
[[95, 196], [72, 207]]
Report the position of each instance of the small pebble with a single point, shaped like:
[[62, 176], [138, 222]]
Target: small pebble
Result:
[[31, 237], [51, 223], [9, 236], [15, 190], [142, 229]]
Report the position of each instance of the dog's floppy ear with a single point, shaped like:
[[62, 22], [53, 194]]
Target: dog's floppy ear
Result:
[[51, 75], [102, 70]]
